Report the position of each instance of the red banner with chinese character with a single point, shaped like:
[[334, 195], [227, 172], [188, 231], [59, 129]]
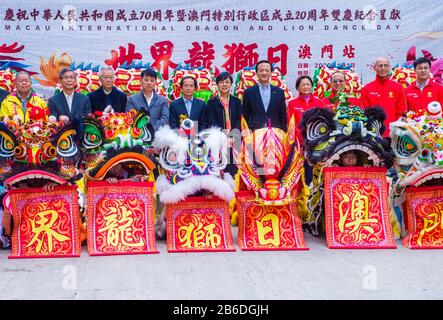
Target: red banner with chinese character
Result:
[[46, 223], [262, 227], [356, 209], [120, 218], [199, 224], [425, 222]]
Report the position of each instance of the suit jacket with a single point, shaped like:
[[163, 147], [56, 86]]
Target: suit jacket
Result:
[[81, 105], [158, 110], [3, 94], [118, 100], [177, 111], [59, 106], [215, 115], [254, 110]]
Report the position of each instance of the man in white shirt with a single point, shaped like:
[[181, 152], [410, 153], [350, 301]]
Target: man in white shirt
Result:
[[264, 103]]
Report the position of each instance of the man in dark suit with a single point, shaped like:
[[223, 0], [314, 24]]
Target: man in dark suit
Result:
[[67, 103], [264, 102], [107, 98], [3, 94], [187, 107], [154, 105]]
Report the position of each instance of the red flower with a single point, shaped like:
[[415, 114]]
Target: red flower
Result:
[[36, 113]]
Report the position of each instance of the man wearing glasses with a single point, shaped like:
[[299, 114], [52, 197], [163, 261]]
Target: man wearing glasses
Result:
[[107, 98], [424, 90], [69, 104], [24, 104], [338, 84], [384, 93]]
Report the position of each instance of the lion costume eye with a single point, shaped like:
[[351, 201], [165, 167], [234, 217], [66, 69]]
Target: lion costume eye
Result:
[[425, 155], [169, 159], [198, 150], [141, 128], [7, 145], [49, 152], [66, 146], [375, 127], [20, 152], [92, 136], [405, 146], [317, 129]]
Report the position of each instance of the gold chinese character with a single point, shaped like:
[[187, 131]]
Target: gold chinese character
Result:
[[212, 239], [358, 209], [264, 229], [184, 235], [430, 222], [41, 226], [119, 230]]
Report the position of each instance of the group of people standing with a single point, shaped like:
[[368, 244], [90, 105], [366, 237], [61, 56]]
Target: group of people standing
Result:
[[263, 104]]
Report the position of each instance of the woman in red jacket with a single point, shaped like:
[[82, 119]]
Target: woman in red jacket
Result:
[[305, 100]]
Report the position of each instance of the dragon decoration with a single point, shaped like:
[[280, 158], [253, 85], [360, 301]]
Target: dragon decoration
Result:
[[327, 134], [270, 163], [417, 142], [190, 164], [322, 80], [127, 77], [117, 138], [405, 74], [10, 65], [38, 152]]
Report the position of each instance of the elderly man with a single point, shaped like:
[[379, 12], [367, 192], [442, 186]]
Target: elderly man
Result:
[[154, 105], [424, 90], [384, 93], [264, 102], [338, 84], [68, 103], [23, 105], [107, 98]]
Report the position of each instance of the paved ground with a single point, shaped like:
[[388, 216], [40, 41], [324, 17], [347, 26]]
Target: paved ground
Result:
[[319, 273]]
